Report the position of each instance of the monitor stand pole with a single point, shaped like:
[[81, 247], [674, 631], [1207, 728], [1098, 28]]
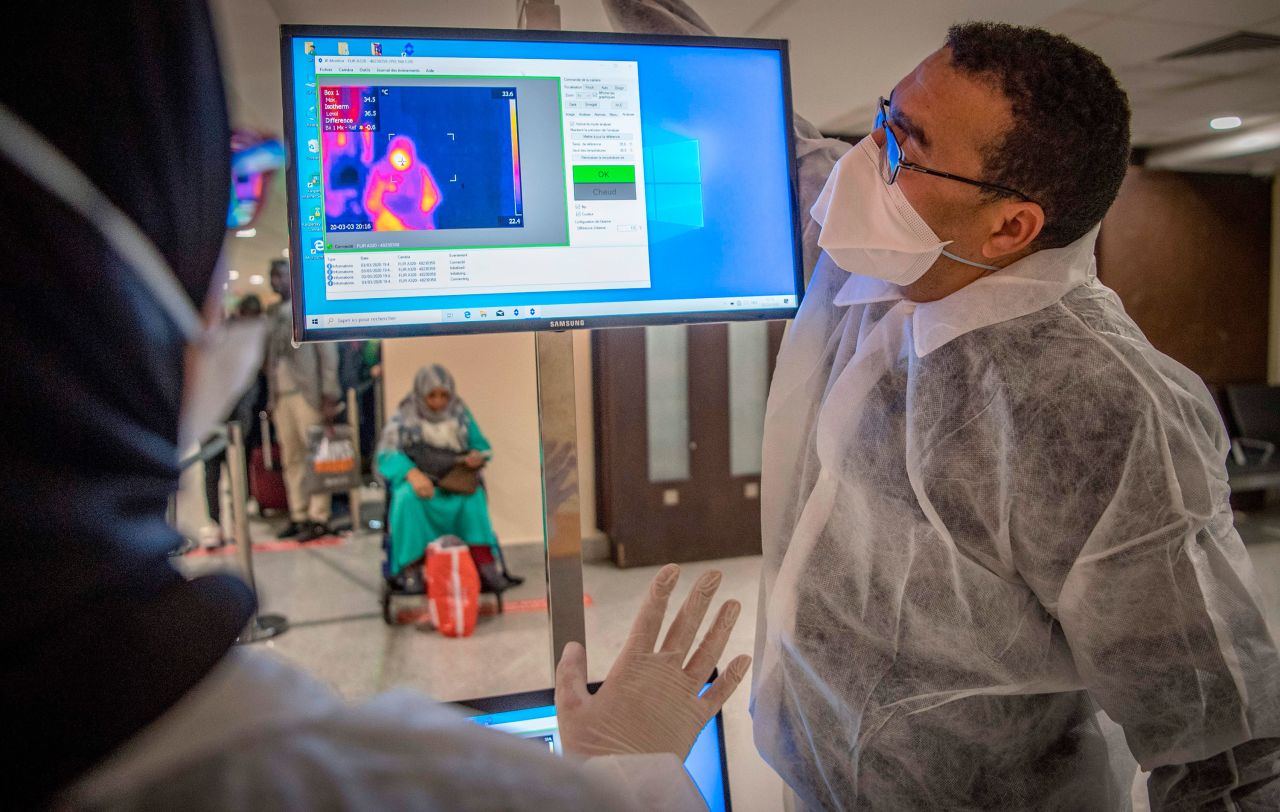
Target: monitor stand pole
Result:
[[561, 510], [558, 444]]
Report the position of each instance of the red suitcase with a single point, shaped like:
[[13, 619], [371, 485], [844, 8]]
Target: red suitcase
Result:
[[266, 478]]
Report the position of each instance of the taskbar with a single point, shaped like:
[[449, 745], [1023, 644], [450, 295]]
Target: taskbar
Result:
[[556, 313]]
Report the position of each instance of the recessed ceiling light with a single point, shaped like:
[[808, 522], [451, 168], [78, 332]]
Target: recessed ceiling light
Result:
[[1225, 122], [256, 279], [247, 232], [233, 274]]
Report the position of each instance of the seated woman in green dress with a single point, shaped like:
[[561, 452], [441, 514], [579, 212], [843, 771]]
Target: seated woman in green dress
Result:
[[432, 424]]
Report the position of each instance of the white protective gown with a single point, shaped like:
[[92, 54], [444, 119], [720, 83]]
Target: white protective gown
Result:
[[260, 734], [986, 518]]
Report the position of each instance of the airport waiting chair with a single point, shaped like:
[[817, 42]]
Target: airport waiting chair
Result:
[[1253, 464]]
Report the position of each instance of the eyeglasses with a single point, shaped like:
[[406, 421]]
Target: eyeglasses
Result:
[[892, 162]]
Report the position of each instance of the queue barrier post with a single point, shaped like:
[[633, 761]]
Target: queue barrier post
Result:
[[260, 627]]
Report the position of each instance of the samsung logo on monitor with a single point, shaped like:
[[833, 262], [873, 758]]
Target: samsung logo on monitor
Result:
[[558, 323]]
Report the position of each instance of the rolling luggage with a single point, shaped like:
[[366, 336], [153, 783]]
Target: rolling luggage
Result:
[[266, 477]]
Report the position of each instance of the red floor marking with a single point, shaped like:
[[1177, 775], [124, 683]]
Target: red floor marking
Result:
[[534, 605], [405, 617], [269, 546]]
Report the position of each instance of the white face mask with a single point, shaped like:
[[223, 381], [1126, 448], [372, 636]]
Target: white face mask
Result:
[[221, 358], [869, 228]]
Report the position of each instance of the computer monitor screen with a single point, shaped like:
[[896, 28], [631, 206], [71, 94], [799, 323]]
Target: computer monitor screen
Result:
[[532, 715], [459, 181]]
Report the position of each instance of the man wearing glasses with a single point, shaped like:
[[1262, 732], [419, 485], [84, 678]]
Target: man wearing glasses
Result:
[[996, 519]]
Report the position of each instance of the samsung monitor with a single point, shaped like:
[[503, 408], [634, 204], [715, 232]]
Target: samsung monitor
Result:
[[445, 181], [532, 715]]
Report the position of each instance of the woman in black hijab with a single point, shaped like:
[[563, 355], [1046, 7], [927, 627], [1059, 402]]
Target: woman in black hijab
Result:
[[99, 633]]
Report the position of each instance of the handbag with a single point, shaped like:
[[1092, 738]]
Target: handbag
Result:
[[462, 479], [444, 468], [331, 461]]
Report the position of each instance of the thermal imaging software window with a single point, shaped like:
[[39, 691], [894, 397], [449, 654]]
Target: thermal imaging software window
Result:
[[437, 176]]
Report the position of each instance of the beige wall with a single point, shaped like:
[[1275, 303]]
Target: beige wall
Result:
[[497, 378]]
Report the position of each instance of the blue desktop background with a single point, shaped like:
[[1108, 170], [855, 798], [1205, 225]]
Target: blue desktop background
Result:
[[716, 169], [703, 763]]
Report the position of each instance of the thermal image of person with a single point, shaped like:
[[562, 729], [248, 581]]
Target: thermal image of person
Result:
[[401, 194], [346, 159]]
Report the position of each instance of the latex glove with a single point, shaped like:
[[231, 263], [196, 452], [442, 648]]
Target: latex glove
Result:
[[422, 484], [649, 703]]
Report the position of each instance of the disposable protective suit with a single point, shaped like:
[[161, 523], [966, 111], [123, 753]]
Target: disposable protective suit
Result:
[[985, 519]]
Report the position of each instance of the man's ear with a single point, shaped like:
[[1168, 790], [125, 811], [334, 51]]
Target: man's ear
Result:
[[1018, 224]]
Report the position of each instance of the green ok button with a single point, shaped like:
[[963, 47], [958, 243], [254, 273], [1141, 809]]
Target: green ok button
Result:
[[604, 174]]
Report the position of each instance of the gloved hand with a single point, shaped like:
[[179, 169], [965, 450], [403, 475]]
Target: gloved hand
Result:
[[649, 703]]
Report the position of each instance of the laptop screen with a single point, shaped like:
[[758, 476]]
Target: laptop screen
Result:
[[532, 716]]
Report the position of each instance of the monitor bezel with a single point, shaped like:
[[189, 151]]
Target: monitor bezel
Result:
[[523, 700], [288, 33]]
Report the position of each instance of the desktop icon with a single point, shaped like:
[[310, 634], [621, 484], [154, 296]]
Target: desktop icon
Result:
[[501, 313], [308, 47], [515, 312], [375, 48], [466, 314], [313, 181], [484, 314], [408, 49], [343, 50], [318, 245], [313, 146], [532, 312]]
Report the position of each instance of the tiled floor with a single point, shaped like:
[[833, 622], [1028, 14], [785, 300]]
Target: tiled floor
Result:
[[330, 596]]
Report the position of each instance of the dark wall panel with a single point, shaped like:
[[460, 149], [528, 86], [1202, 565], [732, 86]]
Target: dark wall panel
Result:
[[1189, 254]]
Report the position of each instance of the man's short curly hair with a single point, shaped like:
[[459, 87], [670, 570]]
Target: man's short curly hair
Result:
[[1069, 143]]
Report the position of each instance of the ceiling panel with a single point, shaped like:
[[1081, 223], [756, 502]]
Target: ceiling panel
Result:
[[434, 13], [1111, 6], [1124, 41], [842, 58], [1072, 20], [1231, 13]]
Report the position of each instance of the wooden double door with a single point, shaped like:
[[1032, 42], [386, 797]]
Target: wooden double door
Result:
[[679, 413]]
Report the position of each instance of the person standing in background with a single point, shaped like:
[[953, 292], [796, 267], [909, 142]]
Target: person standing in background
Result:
[[302, 383], [359, 364]]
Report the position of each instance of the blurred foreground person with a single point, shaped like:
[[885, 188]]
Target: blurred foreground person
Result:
[[119, 684]]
